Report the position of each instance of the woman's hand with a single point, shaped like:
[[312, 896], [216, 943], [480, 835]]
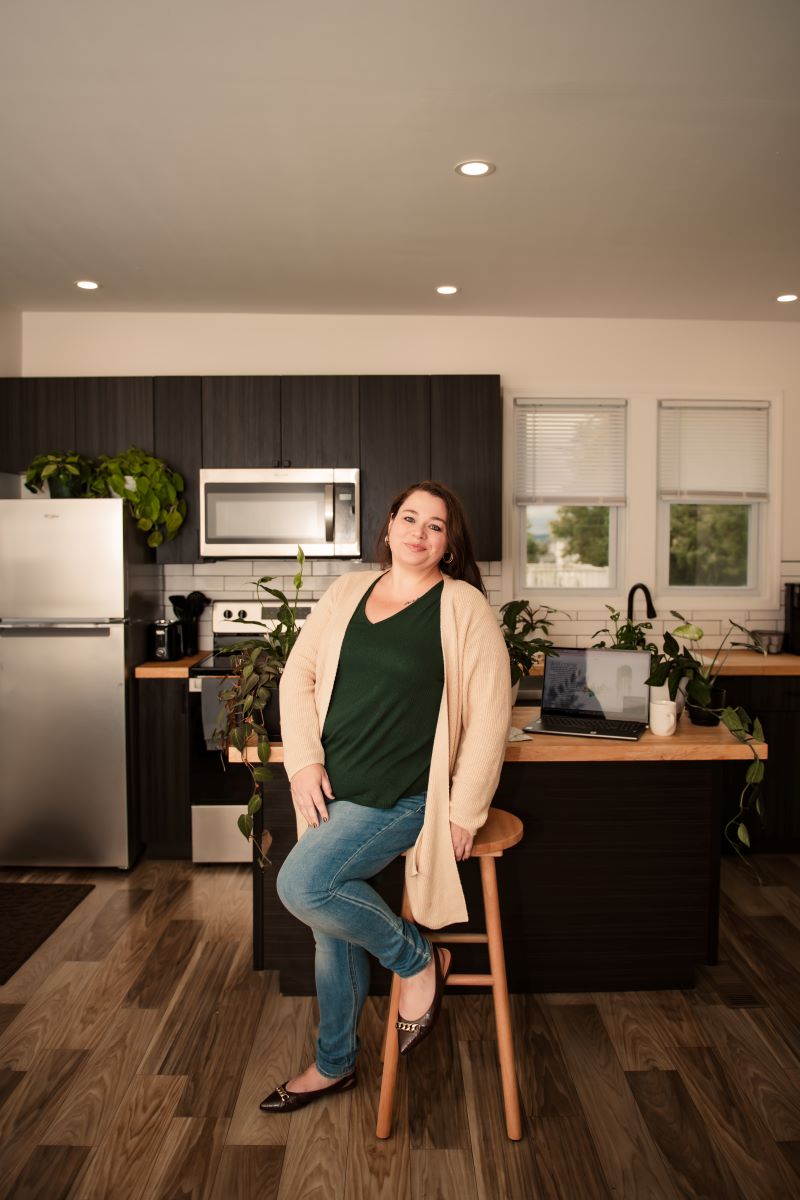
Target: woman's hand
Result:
[[462, 842], [309, 789]]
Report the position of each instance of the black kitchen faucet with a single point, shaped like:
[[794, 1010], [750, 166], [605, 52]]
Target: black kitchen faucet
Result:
[[651, 609]]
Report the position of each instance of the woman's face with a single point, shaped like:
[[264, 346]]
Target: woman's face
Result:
[[418, 531]]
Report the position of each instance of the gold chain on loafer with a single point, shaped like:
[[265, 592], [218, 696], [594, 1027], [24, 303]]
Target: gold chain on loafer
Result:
[[411, 1033]]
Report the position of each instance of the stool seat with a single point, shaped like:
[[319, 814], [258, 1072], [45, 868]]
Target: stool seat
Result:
[[501, 831]]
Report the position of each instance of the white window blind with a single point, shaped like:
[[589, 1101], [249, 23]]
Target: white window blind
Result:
[[713, 451], [569, 453]]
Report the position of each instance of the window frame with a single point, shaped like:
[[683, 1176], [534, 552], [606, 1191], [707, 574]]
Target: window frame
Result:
[[642, 537], [617, 528]]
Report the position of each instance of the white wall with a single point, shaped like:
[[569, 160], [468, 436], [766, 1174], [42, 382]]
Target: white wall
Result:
[[584, 357], [10, 343]]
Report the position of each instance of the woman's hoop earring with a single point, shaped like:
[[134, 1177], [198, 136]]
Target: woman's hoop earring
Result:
[[448, 558], [386, 539]]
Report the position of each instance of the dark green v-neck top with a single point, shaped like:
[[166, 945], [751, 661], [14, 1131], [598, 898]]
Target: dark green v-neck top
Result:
[[379, 729]]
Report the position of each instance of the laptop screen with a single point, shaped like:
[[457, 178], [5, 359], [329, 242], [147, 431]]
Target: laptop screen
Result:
[[609, 684]]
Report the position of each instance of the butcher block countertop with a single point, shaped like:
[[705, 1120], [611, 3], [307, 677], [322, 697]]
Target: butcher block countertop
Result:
[[178, 669], [697, 743], [738, 662]]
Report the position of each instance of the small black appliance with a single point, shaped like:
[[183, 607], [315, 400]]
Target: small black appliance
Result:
[[791, 640], [167, 643]]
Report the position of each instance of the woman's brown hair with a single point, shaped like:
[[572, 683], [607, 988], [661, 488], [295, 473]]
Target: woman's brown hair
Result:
[[459, 539]]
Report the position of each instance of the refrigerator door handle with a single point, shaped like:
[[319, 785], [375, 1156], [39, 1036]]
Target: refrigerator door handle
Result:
[[53, 629]]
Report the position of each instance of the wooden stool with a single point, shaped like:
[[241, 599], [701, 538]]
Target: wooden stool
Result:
[[501, 831]]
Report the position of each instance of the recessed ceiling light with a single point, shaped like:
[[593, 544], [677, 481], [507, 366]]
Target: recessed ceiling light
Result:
[[787, 299], [88, 285], [447, 289], [475, 166]]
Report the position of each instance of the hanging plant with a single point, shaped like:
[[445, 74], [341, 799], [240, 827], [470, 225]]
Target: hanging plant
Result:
[[149, 487]]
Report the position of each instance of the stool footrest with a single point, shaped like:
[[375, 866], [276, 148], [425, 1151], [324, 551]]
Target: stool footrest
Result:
[[458, 939], [469, 980]]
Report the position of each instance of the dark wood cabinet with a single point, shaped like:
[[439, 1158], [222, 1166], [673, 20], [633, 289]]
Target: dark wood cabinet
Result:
[[163, 777], [397, 429], [319, 421], [395, 435], [775, 700], [241, 421], [37, 416], [178, 439], [113, 414], [466, 452]]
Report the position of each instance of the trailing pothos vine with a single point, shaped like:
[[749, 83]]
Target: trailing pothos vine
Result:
[[256, 667]]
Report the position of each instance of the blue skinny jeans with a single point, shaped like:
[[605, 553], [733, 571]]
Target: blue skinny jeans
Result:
[[323, 883]]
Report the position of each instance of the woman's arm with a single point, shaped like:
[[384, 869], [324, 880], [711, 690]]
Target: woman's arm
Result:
[[485, 715], [300, 731]]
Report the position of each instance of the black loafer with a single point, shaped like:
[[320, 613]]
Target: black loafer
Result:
[[411, 1033], [283, 1101]]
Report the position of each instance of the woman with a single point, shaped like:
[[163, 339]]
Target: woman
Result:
[[395, 706]]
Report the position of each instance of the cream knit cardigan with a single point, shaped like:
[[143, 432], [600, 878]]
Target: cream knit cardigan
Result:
[[471, 731]]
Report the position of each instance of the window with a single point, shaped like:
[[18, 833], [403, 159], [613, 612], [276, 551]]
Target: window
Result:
[[713, 487], [569, 485]]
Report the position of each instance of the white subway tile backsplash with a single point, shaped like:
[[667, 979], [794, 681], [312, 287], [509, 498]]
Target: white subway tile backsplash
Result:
[[335, 567], [227, 567]]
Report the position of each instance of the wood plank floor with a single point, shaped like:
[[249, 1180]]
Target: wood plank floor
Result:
[[136, 1044]]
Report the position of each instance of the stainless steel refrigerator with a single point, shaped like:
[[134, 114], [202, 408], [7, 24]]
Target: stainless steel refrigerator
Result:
[[77, 588]]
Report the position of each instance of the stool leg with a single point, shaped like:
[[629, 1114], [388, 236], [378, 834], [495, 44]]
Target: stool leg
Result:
[[502, 1008], [391, 1052]]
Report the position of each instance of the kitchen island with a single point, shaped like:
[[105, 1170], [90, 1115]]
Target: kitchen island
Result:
[[615, 885]]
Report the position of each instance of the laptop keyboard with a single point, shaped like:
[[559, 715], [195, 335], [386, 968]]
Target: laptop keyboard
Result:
[[592, 726]]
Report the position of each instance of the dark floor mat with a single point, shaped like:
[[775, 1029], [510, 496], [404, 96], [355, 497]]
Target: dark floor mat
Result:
[[29, 912]]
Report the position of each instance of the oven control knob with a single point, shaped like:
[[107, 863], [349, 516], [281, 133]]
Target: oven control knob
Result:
[[243, 613], [227, 614]]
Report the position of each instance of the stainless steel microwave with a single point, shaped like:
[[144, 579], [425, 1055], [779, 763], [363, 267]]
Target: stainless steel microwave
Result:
[[269, 513]]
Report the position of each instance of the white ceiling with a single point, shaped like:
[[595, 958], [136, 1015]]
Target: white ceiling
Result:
[[246, 155]]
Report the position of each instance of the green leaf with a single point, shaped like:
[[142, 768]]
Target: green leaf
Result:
[[49, 470], [177, 480], [254, 804], [238, 736], [758, 732], [263, 749], [298, 581], [742, 834], [755, 772], [245, 823], [155, 539], [262, 774], [693, 632], [144, 524]]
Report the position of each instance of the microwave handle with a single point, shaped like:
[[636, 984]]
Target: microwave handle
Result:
[[329, 512]]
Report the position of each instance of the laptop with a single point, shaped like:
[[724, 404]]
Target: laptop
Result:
[[595, 693]]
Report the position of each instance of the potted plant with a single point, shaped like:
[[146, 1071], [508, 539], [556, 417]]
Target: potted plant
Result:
[[250, 702], [522, 628], [150, 488], [626, 635], [705, 697], [66, 474], [705, 701]]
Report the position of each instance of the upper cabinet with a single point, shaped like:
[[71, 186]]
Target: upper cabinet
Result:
[[467, 452], [113, 414], [178, 440], [319, 421], [395, 425], [241, 421], [37, 416]]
